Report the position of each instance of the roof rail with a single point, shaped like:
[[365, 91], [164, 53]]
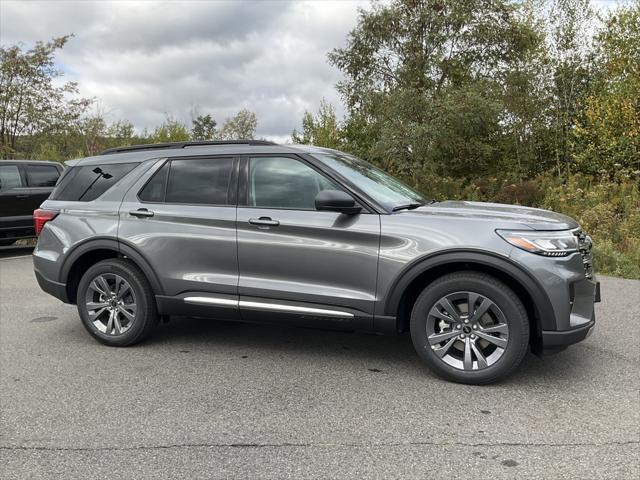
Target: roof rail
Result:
[[160, 146]]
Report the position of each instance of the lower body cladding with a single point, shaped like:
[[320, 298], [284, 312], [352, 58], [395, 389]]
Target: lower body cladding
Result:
[[254, 309]]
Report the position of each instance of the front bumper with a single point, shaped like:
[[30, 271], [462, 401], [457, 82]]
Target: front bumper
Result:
[[554, 340]]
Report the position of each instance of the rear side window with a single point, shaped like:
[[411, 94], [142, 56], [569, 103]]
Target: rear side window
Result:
[[10, 177], [42, 175], [86, 183], [203, 181], [154, 190]]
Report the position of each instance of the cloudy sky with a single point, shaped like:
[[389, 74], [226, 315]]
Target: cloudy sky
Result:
[[143, 60]]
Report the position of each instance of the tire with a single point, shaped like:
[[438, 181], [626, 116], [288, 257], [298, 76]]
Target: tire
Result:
[[130, 325], [453, 343], [6, 243]]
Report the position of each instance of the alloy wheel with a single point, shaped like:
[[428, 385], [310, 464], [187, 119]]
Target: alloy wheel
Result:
[[467, 331], [111, 304]]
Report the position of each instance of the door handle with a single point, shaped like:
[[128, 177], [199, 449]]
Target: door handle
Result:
[[264, 222], [141, 213], [22, 197]]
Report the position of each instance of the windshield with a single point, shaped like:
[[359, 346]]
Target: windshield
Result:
[[380, 186]]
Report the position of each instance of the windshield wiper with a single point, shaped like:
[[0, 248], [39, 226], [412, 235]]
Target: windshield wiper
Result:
[[408, 206]]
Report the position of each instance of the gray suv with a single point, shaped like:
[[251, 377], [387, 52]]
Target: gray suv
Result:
[[259, 232]]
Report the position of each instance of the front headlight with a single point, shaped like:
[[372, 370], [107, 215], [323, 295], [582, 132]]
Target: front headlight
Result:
[[550, 244]]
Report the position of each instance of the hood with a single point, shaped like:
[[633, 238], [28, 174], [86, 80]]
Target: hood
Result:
[[534, 218]]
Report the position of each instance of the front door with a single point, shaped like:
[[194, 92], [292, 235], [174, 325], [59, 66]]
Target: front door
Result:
[[296, 263]]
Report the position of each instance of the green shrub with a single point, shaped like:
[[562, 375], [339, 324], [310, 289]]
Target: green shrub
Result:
[[607, 208]]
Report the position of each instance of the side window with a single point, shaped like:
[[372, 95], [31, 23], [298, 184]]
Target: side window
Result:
[[155, 188], [281, 182], [87, 183], [10, 177], [194, 181], [42, 175]]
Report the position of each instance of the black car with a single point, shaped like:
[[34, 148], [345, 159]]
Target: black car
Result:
[[24, 185]]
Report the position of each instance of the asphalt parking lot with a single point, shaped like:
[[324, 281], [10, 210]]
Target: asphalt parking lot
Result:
[[206, 399]]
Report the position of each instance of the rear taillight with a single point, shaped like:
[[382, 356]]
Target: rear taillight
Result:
[[40, 217]]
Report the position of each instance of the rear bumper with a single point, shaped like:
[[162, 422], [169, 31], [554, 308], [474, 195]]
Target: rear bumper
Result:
[[58, 290]]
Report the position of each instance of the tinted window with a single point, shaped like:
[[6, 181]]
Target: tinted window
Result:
[[154, 190], [285, 183], [9, 177], [201, 181], [381, 186], [88, 183], [42, 175]]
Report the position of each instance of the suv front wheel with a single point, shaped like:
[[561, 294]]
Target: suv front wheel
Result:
[[116, 303], [469, 327]]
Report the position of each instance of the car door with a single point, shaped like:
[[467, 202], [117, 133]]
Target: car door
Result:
[[41, 180], [296, 263], [183, 222], [14, 195]]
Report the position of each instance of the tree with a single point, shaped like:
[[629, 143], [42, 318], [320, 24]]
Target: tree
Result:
[[203, 128], [121, 132], [30, 101], [171, 130], [425, 82], [93, 129], [242, 126], [569, 52], [322, 130], [608, 134]]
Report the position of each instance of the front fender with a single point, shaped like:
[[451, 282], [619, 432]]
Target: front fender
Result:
[[469, 257]]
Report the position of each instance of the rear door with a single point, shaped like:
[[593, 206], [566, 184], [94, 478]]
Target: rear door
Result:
[[181, 216], [297, 264], [41, 180]]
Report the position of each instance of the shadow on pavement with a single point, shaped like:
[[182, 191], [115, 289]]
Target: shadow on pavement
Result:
[[385, 354], [15, 251]]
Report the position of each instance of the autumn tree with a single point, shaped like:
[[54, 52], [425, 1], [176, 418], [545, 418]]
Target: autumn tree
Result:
[[608, 135], [31, 101]]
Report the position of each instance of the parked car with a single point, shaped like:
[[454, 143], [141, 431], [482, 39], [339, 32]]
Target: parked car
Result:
[[24, 185], [259, 232]]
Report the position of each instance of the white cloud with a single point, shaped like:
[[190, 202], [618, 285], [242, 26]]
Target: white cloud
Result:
[[145, 59]]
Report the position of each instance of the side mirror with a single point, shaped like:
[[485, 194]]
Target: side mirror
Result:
[[336, 201]]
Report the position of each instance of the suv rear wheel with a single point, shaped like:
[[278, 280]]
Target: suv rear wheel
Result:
[[470, 327], [116, 303]]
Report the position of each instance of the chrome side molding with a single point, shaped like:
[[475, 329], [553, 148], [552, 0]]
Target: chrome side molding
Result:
[[266, 306], [291, 308], [211, 301]]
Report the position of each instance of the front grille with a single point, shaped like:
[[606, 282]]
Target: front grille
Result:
[[585, 245]]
